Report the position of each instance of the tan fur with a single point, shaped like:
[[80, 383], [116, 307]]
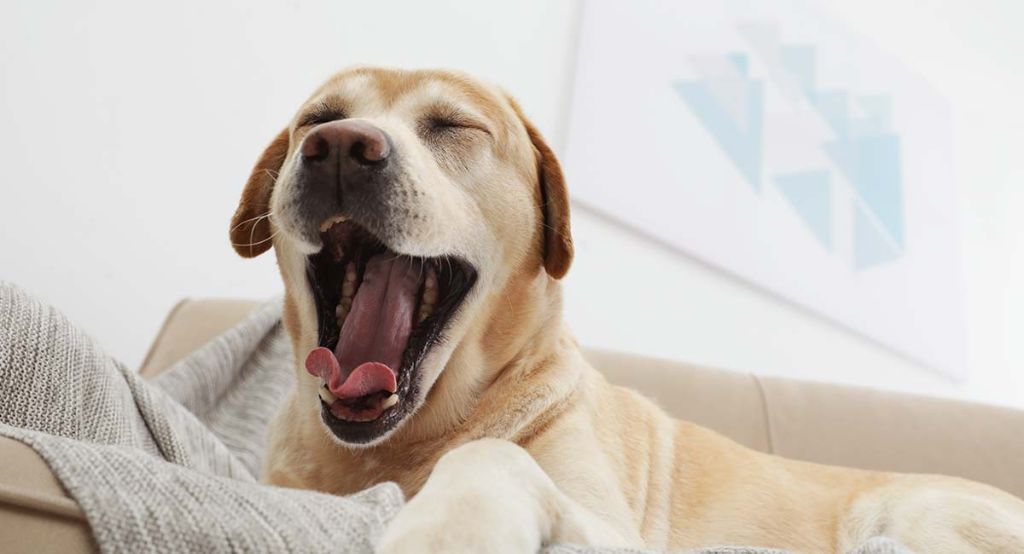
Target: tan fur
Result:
[[513, 372], [250, 227], [558, 247]]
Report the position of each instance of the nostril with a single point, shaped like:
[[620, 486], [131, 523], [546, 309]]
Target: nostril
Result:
[[315, 147], [370, 152]]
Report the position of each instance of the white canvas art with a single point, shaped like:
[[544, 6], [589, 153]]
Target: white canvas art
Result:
[[769, 141]]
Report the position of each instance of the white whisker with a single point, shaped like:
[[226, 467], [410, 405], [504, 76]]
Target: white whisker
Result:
[[251, 244], [261, 216]]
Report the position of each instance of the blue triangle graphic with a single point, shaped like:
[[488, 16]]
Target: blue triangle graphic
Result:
[[810, 194], [801, 61], [869, 245], [741, 61], [834, 106], [872, 164], [742, 146]]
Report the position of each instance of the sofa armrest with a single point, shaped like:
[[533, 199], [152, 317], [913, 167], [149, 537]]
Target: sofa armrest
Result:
[[36, 515], [191, 324]]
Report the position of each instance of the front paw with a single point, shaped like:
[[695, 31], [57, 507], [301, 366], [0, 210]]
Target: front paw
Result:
[[472, 502], [459, 521]]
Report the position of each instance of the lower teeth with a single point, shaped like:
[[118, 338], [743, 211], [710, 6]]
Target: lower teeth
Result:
[[328, 397]]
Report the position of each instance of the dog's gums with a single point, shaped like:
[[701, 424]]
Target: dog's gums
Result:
[[379, 314]]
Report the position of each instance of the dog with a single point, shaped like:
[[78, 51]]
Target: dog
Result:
[[421, 227]]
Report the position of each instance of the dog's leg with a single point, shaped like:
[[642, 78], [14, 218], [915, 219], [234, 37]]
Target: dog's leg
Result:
[[490, 496]]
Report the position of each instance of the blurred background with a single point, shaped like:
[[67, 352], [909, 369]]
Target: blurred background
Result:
[[127, 130]]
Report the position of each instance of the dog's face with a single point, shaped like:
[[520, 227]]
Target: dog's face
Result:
[[405, 207]]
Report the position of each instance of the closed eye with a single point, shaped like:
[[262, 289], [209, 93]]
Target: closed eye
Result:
[[452, 121], [320, 115], [441, 123]]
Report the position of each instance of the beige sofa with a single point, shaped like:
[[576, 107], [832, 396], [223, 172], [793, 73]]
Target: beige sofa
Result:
[[816, 422]]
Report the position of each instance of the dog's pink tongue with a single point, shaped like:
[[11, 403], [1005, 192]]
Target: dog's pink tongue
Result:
[[367, 378], [374, 334]]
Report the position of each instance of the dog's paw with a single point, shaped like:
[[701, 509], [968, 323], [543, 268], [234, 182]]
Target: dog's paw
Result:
[[459, 521], [472, 502], [414, 532]]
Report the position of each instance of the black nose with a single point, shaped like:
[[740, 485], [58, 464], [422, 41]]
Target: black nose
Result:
[[345, 166], [346, 144]]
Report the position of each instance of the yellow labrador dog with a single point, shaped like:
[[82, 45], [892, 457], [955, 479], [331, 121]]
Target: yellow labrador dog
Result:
[[421, 226]]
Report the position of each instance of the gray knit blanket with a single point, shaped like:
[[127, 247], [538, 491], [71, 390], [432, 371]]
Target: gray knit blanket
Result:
[[170, 465]]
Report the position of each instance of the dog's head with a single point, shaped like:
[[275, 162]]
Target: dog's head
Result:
[[419, 221]]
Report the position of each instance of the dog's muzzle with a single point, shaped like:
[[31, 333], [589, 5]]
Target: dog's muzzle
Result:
[[343, 166]]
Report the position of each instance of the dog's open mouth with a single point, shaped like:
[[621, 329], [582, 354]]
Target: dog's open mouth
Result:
[[379, 314]]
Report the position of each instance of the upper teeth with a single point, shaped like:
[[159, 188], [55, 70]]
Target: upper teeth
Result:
[[348, 290], [330, 222], [429, 300], [348, 286]]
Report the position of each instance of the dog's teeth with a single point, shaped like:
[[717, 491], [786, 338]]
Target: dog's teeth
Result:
[[348, 286], [429, 300], [341, 311], [430, 287], [424, 313], [348, 291], [390, 401], [426, 308], [330, 223], [326, 395]]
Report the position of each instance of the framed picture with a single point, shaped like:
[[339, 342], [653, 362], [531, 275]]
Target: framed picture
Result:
[[767, 140]]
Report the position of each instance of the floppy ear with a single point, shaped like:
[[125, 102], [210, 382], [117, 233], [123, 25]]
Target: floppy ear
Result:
[[558, 249], [250, 227]]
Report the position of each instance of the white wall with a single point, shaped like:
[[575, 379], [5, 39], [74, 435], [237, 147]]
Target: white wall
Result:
[[127, 130], [126, 133]]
